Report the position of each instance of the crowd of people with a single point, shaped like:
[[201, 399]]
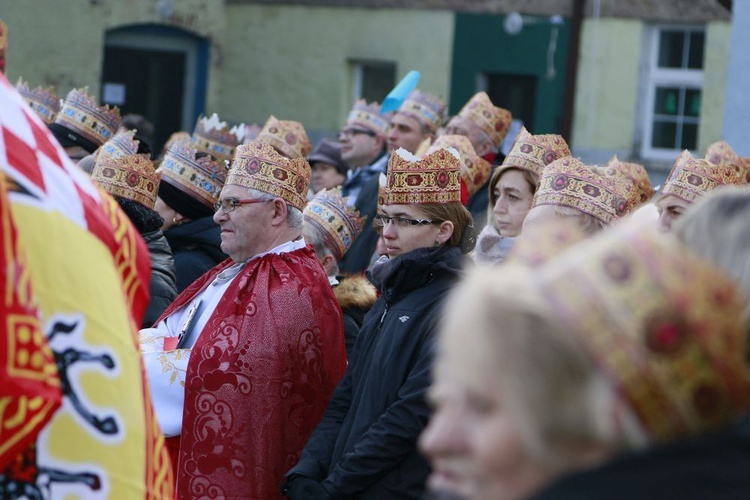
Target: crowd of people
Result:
[[403, 311]]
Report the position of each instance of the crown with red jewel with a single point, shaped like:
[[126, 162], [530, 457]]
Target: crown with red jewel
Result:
[[332, 216], [130, 176], [642, 190], [122, 144], [434, 178], [691, 178], [201, 178], [82, 115], [475, 170], [494, 121], [257, 165], [534, 152], [44, 102], [287, 137], [427, 109], [215, 137]]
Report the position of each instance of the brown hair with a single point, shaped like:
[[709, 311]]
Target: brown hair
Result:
[[530, 177], [464, 235]]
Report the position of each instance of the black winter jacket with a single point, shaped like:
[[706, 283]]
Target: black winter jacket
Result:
[[196, 246], [163, 288], [365, 445]]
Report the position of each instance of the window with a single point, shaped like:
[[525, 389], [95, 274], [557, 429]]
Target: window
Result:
[[673, 91], [373, 80]]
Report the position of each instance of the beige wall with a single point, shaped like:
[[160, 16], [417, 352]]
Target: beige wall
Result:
[[292, 61], [607, 91], [62, 43], [714, 83]]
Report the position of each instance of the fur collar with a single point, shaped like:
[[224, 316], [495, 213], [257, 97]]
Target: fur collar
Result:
[[355, 291]]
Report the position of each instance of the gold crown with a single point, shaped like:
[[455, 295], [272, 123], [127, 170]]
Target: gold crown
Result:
[[131, 176], [215, 137], [475, 170], [287, 137], [664, 326], [534, 152], [569, 183], [201, 179], [81, 114], [426, 108], [434, 178], [123, 143], [494, 121], [44, 102], [339, 223], [368, 116], [175, 137], [258, 165], [642, 190], [691, 178]]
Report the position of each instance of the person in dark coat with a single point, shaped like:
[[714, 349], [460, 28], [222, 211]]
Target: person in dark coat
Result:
[[615, 369], [190, 186], [115, 174], [365, 445], [331, 226]]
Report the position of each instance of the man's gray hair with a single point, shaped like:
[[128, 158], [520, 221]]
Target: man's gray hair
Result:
[[293, 215]]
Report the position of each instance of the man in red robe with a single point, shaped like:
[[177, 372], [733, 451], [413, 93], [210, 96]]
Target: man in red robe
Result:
[[244, 361]]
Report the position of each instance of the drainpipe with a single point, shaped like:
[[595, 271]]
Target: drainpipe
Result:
[[571, 73]]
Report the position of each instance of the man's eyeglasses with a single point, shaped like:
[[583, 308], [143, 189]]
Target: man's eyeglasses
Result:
[[351, 132], [382, 220], [232, 204]]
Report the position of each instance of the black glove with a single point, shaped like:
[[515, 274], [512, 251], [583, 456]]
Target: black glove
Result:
[[303, 488]]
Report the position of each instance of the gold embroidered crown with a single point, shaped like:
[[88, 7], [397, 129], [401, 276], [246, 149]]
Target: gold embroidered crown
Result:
[[130, 176], [201, 179], [123, 143], [475, 170], [426, 108], [534, 152], [80, 113], [691, 178], [494, 121], [339, 223], [287, 137], [44, 102], [215, 137], [663, 325], [642, 190], [368, 116], [258, 165], [434, 178], [569, 183]]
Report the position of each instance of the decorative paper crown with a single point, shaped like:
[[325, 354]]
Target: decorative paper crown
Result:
[[258, 165], [44, 102], [663, 325], [368, 116], [642, 190], [80, 114], [288, 137], [131, 176], [123, 143], [216, 138], [339, 224], [475, 170], [175, 137], [493, 120], [721, 153], [201, 179], [569, 183], [435, 178], [691, 178], [425, 108], [535, 152], [251, 132]]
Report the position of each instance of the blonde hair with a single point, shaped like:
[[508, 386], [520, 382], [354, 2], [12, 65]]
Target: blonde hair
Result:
[[716, 227], [553, 391]]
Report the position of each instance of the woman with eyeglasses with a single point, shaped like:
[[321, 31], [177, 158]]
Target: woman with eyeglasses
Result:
[[365, 445], [189, 187]]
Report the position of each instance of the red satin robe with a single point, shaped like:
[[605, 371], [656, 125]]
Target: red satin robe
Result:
[[259, 377]]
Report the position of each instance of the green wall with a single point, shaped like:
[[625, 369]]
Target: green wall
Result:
[[714, 83], [482, 46]]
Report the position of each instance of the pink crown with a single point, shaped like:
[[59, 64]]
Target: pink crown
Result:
[[434, 178], [215, 137], [81, 114], [642, 190], [493, 120], [426, 108], [132, 177], [44, 102], [534, 152], [475, 170], [691, 178], [287, 137]]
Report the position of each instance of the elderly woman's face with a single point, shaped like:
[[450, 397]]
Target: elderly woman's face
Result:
[[472, 441]]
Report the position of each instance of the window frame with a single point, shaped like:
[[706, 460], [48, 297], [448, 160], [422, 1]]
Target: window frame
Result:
[[666, 77]]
